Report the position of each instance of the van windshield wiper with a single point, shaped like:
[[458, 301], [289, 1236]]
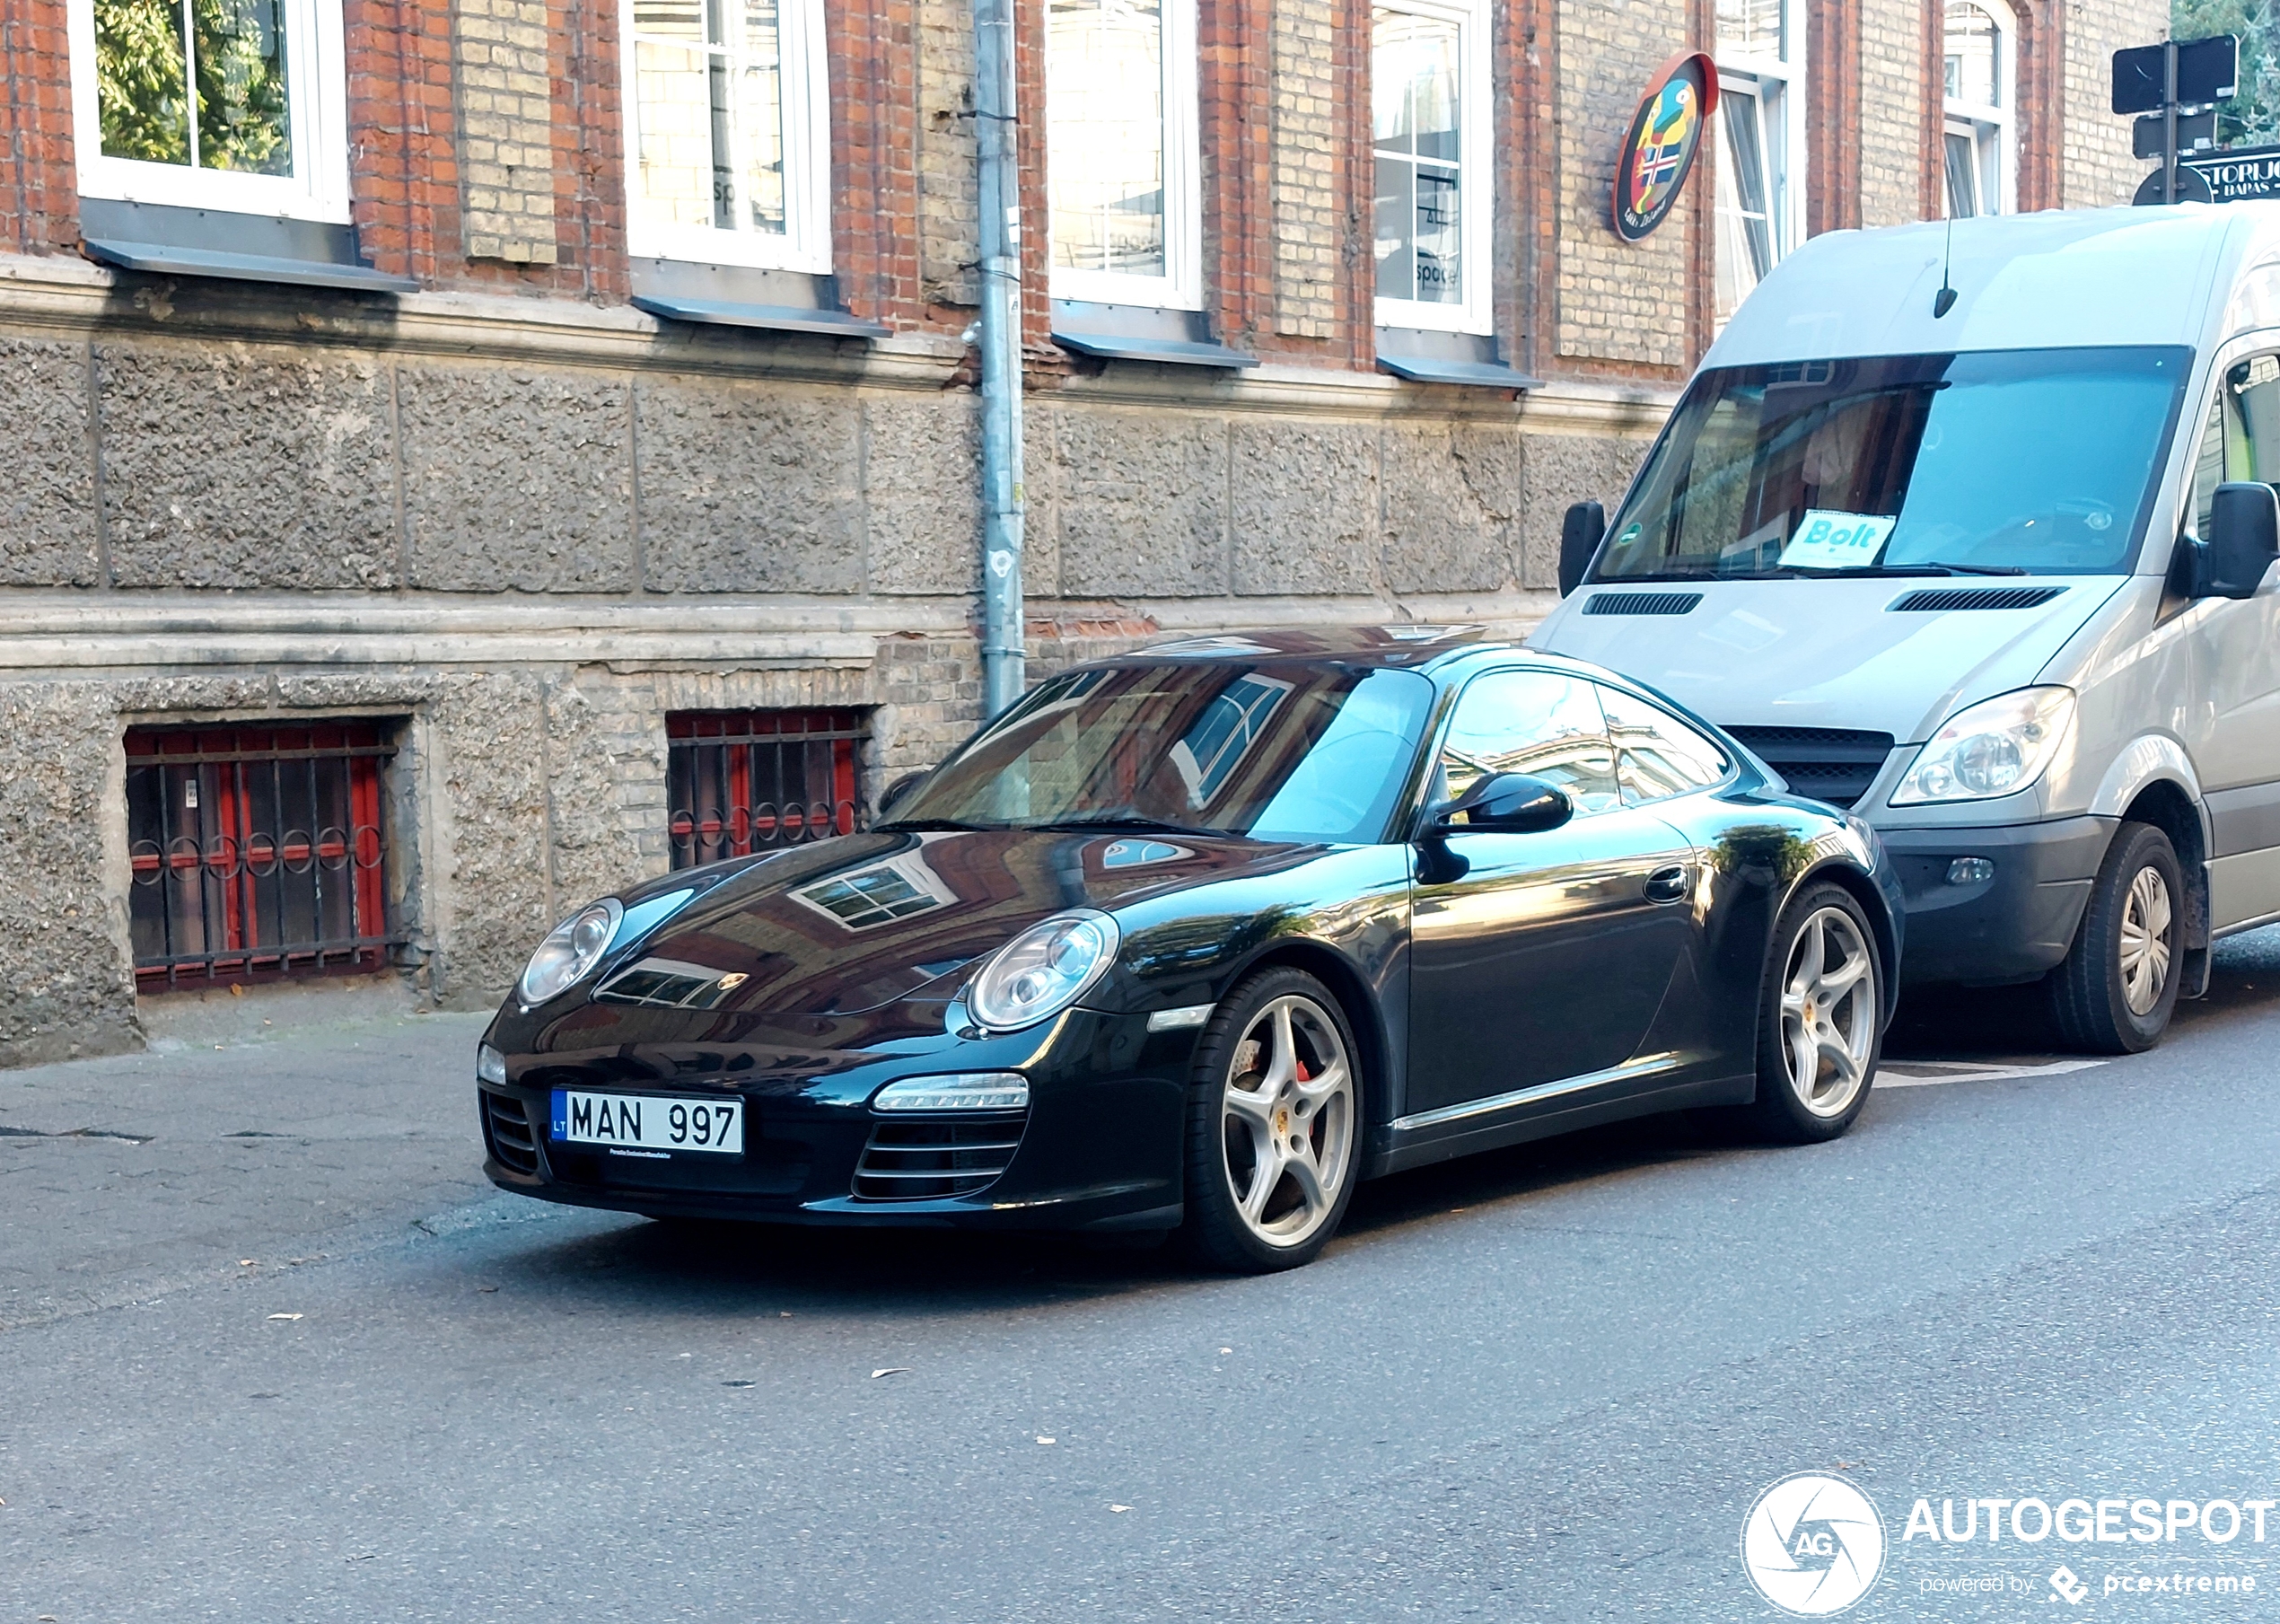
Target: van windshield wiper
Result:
[[1977, 569]]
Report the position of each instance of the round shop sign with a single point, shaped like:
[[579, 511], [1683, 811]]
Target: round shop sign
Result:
[[1665, 134]]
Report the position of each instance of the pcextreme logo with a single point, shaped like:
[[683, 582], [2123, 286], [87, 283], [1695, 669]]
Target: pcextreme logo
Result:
[[1813, 1545]]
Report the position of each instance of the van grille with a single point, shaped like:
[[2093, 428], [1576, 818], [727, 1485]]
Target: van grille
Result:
[[1831, 763], [1933, 599], [928, 1159], [1641, 604], [506, 1126]]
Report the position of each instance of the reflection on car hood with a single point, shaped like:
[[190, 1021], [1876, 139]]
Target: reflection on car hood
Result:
[[813, 945], [1829, 652]]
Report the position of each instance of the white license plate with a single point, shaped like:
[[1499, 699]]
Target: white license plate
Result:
[[647, 1122]]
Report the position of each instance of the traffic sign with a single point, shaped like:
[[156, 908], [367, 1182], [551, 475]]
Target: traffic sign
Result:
[[2208, 70]]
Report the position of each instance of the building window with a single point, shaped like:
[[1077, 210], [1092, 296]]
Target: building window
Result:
[[257, 852], [1121, 148], [237, 105], [741, 781], [1430, 113], [1761, 143], [731, 145], [1980, 63]]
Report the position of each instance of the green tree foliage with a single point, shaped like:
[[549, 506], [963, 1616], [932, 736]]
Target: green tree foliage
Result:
[[2252, 117], [238, 51]]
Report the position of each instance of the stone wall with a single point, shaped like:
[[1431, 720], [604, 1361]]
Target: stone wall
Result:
[[506, 128], [525, 544], [1892, 111], [1617, 301], [1305, 188], [2097, 169]]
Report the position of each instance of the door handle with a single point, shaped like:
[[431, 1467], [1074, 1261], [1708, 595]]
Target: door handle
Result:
[[1669, 884]]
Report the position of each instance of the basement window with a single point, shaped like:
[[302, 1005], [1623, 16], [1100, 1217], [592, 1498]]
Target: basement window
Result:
[[743, 781], [257, 853]]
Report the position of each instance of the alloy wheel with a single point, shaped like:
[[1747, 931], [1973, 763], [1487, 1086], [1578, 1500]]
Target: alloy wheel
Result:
[[1828, 1012], [1287, 1124], [2146, 918]]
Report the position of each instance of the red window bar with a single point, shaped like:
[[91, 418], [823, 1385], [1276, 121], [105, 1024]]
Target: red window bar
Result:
[[741, 781], [257, 852]]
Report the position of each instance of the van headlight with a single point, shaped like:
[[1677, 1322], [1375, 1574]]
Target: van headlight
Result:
[[1996, 746], [1043, 970], [571, 950]]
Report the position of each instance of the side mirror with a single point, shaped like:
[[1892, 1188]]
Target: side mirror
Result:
[[1579, 537], [2243, 539], [895, 794], [1507, 804]]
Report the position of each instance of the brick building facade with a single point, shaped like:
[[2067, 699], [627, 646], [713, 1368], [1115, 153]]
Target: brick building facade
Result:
[[414, 402]]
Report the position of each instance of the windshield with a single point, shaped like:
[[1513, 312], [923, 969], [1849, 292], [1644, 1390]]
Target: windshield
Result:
[[2007, 463], [1278, 751]]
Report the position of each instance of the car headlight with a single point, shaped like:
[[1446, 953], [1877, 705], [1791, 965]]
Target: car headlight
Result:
[[571, 949], [1996, 746], [490, 1064], [1043, 970]]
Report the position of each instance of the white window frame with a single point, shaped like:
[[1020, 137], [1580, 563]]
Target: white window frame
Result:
[[1475, 312], [1780, 82], [1181, 286], [317, 103], [1993, 131], [805, 245]]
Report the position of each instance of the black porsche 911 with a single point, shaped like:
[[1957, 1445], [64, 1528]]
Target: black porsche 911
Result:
[[1197, 938]]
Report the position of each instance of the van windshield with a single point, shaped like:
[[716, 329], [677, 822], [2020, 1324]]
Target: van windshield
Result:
[[1998, 462]]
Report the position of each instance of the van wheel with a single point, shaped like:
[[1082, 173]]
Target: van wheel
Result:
[[2115, 993]]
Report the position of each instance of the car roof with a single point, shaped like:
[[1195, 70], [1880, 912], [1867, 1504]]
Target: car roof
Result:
[[1431, 650]]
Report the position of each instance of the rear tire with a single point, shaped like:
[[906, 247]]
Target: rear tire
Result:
[[1274, 1126], [1820, 1018], [2117, 987]]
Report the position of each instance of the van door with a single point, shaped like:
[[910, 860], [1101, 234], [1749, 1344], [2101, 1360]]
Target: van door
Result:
[[2237, 660]]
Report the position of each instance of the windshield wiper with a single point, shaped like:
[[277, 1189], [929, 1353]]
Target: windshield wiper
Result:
[[1978, 569], [1139, 821]]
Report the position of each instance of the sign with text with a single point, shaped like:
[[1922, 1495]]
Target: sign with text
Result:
[[1828, 539], [1666, 132], [2238, 174]]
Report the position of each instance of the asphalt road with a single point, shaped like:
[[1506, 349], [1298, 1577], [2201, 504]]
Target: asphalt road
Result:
[[271, 1351]]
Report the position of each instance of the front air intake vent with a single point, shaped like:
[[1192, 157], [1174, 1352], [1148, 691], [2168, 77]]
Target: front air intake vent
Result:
[[507, 1126], [1831, 763], [1641, 604], [930, 1159], [1934, 599]]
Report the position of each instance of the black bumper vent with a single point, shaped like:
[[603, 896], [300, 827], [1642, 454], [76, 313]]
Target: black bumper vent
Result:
[[1641, 604], [507, 1133], [1933, 599], [927, 1159], [1831, 763]]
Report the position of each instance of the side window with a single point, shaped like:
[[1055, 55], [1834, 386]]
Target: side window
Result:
[[2208, 465], [2253, 426], [1530, 721], [1656, 754]]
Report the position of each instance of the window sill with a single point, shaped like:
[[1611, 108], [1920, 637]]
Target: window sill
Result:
[[1127, 332], [772, 318], [1178, 352], [1473, 374], [165, 259]]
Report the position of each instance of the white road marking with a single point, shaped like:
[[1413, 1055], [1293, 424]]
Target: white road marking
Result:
[[1930, 1074]]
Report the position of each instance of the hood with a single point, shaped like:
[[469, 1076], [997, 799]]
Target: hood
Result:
[[1829, 652], [854, 940]]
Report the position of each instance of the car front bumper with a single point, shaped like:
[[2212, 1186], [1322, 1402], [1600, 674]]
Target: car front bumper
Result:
[[2016, 924], [1098, 1148]]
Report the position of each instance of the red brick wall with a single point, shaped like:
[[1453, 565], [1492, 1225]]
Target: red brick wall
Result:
[[39, 191], [404, 173]]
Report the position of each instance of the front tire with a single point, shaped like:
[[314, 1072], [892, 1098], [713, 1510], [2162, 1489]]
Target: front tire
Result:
[[2117, 987], [1274, 1125], [1820, 1019]]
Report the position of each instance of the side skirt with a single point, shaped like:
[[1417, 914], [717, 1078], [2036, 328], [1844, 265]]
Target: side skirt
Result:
[[1399, 1147]]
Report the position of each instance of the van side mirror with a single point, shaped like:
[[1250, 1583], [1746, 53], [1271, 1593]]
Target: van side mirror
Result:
[[2243, 539], [1506, 804], [1579, 537]]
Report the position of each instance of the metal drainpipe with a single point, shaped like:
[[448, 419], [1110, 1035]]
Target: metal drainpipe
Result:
[[1003, 655]]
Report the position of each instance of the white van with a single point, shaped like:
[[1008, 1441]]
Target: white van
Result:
[[1974, 541]]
